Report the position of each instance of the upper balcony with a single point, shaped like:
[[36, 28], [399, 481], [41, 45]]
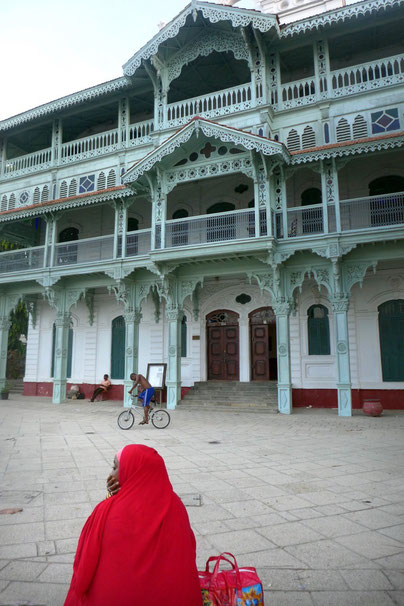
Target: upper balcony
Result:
[[200, 235]]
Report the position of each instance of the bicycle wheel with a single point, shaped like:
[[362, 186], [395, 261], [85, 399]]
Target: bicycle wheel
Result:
[[126, 419], [160, 419]]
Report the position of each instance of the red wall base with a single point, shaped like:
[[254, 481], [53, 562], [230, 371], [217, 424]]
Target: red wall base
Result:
[[391, 399], [115, 392]]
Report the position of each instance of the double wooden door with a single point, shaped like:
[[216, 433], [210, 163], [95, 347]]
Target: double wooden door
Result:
[[223, 346]]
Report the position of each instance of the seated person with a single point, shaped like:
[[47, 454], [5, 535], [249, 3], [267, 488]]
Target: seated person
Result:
[[103, 386], [145, 396]]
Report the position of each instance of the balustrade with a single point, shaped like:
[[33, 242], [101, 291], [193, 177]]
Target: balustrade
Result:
[[84, 251], [24, 259], [216, 104], [29, 163], [140, 132], [366, 76], [89, 147], [372, 212], [207, 229], [297, 93]]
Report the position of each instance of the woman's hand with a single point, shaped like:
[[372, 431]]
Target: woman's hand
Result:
[[113, 485]]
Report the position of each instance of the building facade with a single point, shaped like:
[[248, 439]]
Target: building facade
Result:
[[232, 206]]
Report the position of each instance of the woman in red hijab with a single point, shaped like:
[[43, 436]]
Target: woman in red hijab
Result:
[[137, 548]]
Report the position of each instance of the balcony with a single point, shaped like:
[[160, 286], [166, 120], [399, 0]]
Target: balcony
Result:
[[343, 82], [370, 213]]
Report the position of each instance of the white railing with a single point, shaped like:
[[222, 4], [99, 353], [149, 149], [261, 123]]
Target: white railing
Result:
[[84, 251], [372, 212], [138, 242], [301, 221], [366, 76], [212, 105], [21, 260], [89, 147], [297, 93], [140, 132], [28, 163], [208, 229]]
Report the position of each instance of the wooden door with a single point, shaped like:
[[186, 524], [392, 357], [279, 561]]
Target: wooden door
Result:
[[223, 346], [263, 345], [118, 348], [391, 329]]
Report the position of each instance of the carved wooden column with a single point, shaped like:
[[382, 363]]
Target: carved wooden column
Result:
[[321, 68], [120, 229], [123, 121], [340, 308], [50, 240], [4, 329], [56, 142], [174, 316], [62, 325], [132, 322], [282, 312]]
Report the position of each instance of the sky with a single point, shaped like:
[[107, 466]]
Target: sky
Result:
[[51, 48]]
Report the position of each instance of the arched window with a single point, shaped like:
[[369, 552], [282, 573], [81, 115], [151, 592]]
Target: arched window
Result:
[[133, 224], [69, 352], [68, 234], [181, 213], [63, 190], [118, 348], [318, 329], [220, 207], [293, 140], [184, 337], [386, 185], [310, 196], [391, 331]]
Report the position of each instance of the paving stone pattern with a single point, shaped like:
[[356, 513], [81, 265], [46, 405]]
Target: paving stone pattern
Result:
[[314, 501]]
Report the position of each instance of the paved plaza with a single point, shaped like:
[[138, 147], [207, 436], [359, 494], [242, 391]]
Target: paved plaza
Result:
[[314, 501]]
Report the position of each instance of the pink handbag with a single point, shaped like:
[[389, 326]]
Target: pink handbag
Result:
[[235, 587]]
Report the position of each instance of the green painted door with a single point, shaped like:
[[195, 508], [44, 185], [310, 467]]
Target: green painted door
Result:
[[391, 330], [118, 348]]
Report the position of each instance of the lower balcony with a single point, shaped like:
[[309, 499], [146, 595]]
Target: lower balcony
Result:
[[359, 215]]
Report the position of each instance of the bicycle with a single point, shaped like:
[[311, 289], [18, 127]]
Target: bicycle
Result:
[[158, 416]]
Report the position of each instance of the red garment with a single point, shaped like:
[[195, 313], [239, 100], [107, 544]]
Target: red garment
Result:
[[137, 548]]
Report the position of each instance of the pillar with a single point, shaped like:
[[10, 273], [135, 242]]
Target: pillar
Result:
[[132, 322], [56, 143], [174, 316], [321, 68], [330, 195], [340, 309], [62, 324], [123, 121], [282, 312], [4, 328]]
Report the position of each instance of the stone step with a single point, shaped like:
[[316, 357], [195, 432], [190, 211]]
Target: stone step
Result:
[[183, 405], [230, 398], [16, 385]]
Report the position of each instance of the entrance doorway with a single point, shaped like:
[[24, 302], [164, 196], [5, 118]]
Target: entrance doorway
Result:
[[263, 344], [222, 332]]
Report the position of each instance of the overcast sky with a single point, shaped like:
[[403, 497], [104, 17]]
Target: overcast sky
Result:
[[51, 48]]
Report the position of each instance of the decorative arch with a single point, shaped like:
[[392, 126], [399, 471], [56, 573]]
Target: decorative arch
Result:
[[391, 334], [388, 184], [204, 46]]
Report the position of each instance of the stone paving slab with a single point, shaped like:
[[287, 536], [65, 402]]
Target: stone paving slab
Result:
[[314, 501]]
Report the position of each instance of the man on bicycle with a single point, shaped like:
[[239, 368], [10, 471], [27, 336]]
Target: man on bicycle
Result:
[[145, 396]]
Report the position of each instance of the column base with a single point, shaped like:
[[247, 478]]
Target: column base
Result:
[[344, 401], [173, 395], [285, 399], [127, 399], [59, 392]]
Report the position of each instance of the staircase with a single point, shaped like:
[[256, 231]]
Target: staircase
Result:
[[257, 396], [16, 386]]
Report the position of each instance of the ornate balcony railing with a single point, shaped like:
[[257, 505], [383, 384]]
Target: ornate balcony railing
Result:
[[372, 212], [140, 132], [21, 260], [89, 147], [216, 104], [367, 76], [29, 163], [88, 250], [297, 93], [208, 229]]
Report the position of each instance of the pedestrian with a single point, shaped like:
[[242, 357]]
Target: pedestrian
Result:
[[145, 396], [137, 547]]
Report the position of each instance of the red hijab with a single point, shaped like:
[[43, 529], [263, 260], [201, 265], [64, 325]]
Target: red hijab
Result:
[[137, 547]]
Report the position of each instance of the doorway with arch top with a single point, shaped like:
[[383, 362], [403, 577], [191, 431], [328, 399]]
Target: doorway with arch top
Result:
[[263, 361], [222, 337]]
